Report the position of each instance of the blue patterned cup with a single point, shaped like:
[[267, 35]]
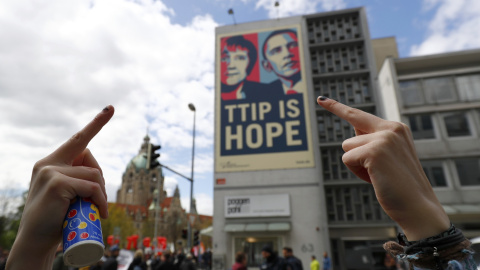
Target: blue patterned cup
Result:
[[82, 234]]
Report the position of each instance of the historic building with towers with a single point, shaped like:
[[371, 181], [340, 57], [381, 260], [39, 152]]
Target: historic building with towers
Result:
[[145, 200]]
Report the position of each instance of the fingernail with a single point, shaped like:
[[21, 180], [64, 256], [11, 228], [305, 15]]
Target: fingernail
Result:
[[106, 109], [322, 98]]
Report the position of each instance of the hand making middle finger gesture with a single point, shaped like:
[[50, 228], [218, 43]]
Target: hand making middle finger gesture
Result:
[[383, 153], [68, 172]]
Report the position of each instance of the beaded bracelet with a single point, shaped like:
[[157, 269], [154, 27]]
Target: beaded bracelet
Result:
[[433, 252]]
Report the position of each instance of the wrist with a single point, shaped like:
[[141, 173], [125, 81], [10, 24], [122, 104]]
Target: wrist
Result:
[[404, 241], [426, 221]]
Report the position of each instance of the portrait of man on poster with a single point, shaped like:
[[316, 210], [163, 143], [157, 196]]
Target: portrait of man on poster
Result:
[[281, 56]]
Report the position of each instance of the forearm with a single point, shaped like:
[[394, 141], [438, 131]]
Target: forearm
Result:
[[26, 255]]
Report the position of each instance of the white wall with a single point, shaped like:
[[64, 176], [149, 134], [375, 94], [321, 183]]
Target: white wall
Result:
[[387, 93]]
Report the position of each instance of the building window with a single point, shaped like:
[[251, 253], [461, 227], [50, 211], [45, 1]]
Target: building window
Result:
[[435, 173], [468, 170], [411, 92], [457, 124], [468, 87], [354, 203], [421, 126], [440, 89]]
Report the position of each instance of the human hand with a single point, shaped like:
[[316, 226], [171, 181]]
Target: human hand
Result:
[[383, 153], [68, 172]]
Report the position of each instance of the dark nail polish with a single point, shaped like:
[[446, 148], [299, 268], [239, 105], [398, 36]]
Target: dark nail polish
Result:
[[322, 98], [106, 109]]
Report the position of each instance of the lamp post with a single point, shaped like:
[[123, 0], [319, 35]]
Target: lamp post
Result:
[[276, 6], [189, 238], [192, 108], [230, 11]]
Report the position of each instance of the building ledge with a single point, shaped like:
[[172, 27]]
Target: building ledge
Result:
[[454, 209]]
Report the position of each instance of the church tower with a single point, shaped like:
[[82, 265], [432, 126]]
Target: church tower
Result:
[[145, 200]]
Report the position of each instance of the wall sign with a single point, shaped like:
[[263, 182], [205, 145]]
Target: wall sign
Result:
[[257, 205]]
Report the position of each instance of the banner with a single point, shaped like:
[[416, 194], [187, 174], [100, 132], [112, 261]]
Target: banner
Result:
[[262, 119]]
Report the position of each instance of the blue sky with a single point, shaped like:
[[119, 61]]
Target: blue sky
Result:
[[62, 61], [406, 20]]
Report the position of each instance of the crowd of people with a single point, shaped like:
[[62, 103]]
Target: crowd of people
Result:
[[289, 261], [166, 261], [143, 259], [272, 261]]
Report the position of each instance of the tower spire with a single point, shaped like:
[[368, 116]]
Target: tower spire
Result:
[[194, 207], [176, 194]]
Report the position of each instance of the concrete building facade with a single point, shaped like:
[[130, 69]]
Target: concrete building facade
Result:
[[438, 96]]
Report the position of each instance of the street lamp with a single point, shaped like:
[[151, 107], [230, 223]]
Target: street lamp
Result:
[[276, 6], [192, 108], [189, 239], [230, 11]]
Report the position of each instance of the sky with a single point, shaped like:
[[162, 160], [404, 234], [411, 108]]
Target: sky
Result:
[[62, 62]]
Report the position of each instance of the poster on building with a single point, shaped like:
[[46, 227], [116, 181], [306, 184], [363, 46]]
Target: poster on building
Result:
[[262, 119], [268, 205]]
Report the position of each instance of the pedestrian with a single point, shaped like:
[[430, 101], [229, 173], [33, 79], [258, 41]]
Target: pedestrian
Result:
[[295, 262], [314, 264], [111, 262], [271, 260], [327, 263], [137, 261], [165, 262], [155, 260], [207, 258], [188, 263], [179, 259], [147, 263], [389, 262], [3, 259], [240, 261]]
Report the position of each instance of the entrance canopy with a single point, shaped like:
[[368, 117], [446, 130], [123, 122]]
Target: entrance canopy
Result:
[[257, 227]]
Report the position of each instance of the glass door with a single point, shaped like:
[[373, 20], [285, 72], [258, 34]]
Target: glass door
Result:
[[252, 246]]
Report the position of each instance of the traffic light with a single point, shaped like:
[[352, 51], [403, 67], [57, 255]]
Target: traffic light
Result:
[[184, 234], [152, 161], [196, 238]]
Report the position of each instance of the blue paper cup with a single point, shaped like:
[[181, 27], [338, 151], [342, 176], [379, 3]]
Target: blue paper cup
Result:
[[82, 234]]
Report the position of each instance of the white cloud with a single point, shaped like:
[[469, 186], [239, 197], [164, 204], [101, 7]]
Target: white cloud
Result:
[[169, 185], [453, 27], [297, 7], [204, 203], [62, 62]]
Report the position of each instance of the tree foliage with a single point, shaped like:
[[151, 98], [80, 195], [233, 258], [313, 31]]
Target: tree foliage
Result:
[[10, 222], [117, 218]]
